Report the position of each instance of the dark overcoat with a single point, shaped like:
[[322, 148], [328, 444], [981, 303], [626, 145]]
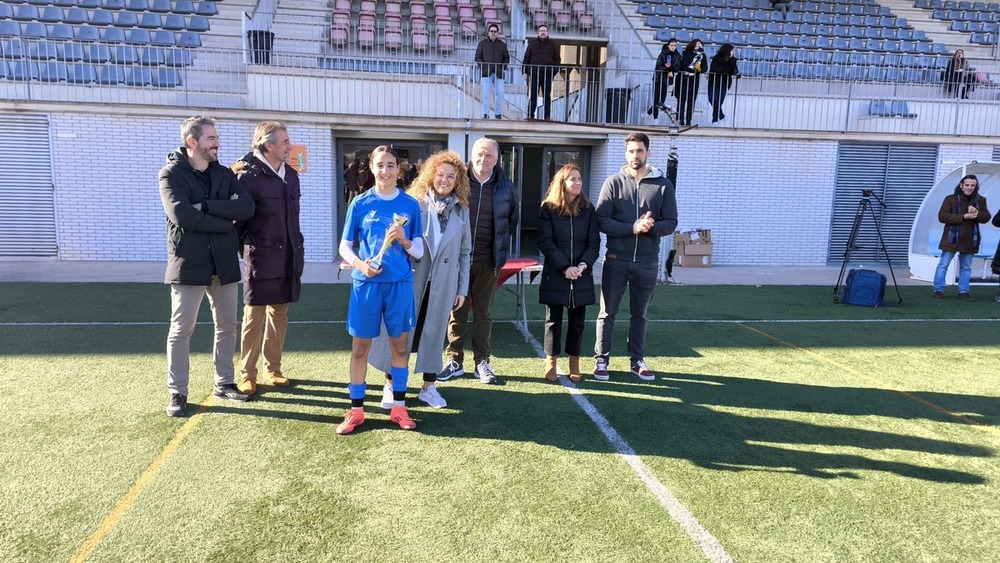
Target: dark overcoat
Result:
[[565, 242], [272, 242]]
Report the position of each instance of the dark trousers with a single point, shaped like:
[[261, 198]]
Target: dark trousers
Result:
[[717, 95], [482, 286], [261, 42], [640, 278], [686, 92], [660, 86], [540, 79], [574, 329]]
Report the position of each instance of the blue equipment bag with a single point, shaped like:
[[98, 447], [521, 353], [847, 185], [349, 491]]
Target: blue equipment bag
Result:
[[865, 288]]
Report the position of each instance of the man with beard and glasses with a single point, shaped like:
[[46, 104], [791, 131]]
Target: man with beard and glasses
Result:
[[635, 208], [201, 199]]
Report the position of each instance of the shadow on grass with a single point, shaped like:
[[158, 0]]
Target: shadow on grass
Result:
[[681, 416]]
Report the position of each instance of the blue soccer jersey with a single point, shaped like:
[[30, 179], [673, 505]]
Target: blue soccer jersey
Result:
[[368, 218]]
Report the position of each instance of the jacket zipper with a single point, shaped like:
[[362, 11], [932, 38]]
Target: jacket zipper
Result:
[[571, 255], [635, 248]]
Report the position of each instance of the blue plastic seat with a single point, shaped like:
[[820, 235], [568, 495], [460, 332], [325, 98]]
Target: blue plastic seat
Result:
[[89, 4], [113, 35], [126, 19], [137, 5], [900, 108], [35, 29], [150, 56], [124, 55], [97, 53], [26, 13], [43, 51], [149, 20], [138, 76], [160, 6], [6, 12], [177, 57], [51, 14], [206, 8], [80, 74], [183, 7], [114, 4], [164, 38], [192, 39], [174, 22], [22, 71], [53, 71], [102, 17], [110, 74], [75, 16], [137, 36], [166, 78], [88, 33]]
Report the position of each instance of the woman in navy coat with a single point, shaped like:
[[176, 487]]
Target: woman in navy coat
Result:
[[569, 240]]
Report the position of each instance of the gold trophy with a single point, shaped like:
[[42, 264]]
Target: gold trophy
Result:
[[397, 219]]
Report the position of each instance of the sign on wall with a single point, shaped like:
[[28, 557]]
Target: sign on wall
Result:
[[299, 159]]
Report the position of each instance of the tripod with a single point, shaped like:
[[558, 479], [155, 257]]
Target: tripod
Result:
[[852, 241]]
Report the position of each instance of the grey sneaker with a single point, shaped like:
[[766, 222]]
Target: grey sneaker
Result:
[[432, 397], [178, 405], [485, 373], [230, 392], [387, 400], [601, 369], [451, 370]]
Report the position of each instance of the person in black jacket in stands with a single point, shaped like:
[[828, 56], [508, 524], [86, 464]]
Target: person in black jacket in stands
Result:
[[569, 239], [688, 81], [541, 62], [668, 61], [720, 78], [201, 199]]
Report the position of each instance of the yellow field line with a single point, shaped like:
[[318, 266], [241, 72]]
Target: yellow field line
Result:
[[874, 381], [126, 502]]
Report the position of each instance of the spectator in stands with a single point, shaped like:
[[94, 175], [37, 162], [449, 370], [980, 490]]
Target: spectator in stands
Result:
[[273, 253], [260, 38], [493, 58], [365, 180], [494, 212], [720, 78], [636, 207], [961, 213], [441, 277], [568, 237], [541, 62], [688, 81], [959, 78], [414, 171], [667, 62], [783, 6], [385, 222], [201, 200]]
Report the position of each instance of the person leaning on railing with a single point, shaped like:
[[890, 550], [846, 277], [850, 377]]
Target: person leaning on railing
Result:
[[693, 64], [958, 77], [720, 79]]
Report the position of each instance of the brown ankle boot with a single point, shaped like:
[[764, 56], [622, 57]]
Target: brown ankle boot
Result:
[[574, 369], [550, 368]]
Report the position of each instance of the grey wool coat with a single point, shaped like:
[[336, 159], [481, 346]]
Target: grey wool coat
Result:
[[448, 272]]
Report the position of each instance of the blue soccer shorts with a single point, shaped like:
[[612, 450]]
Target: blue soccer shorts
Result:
[[371, 303]]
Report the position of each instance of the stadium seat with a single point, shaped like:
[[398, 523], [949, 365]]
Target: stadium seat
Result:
[[393, 38], [174, 22], [124, 55], [35, 29], [418, 40], [126, 19], [80, 74], [43, 51], [138, 76], [75, 16], [103, 17], [188, 39], [166, 78], [198, 24], [88, 33], [164, 38], [161, 6], [177, 57], [137, 5], [183, 7], [114, 4], [26, 13], [445, 41], [151, 56], [96, 53], [71, 52], [23, 71], [113, 35], [366, 31], [51, 14], [53, 71], [206, 8], [900, 108], [110, 74], [149, 20]]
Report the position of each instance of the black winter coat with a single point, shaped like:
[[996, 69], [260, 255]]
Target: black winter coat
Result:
[[493, 57], [272, 243], [506, 214], [565, 242], [201, 242]]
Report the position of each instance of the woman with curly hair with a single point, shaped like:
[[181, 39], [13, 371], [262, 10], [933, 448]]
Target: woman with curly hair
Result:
[[441, 276]]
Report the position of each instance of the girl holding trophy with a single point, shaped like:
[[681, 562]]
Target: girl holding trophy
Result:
[[385, 223]]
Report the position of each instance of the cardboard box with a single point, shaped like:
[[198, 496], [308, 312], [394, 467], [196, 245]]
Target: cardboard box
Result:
[[696, 249], [692, 261], [693, 236]]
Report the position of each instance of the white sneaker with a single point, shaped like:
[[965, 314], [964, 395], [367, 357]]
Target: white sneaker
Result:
[[387, 400], [485, 373], [432, 397]]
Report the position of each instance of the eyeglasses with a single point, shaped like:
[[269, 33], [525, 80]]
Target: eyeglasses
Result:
[[493, 31]]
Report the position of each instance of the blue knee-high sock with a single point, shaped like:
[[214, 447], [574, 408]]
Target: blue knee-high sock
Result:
[[357, 394], [399, 380]]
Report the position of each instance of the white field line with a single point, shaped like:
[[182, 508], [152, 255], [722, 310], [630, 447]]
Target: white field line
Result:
[[666, 321], [705, 541]]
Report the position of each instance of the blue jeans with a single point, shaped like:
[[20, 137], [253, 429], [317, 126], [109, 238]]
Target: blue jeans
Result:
[[964, 270], [488, 83]]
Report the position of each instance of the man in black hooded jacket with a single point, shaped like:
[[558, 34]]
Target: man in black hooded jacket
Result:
[[201, 199]]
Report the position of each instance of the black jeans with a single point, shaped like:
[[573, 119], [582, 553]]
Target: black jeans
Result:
[[717, 95], [686, 91], [540, 78], [640, 278]]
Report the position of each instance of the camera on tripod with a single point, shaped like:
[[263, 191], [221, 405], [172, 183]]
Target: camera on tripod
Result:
[[867, 193]]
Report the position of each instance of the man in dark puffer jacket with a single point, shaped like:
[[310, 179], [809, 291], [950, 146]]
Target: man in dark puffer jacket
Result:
[[201, 200]]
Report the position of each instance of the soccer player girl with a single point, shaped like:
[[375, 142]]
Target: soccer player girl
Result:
[[383, 216]]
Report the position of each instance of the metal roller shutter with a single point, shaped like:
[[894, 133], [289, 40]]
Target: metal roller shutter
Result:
[[27, 201], [900, 175]]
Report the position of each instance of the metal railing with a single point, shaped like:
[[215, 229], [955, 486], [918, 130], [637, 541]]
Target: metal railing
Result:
[[851, 98]]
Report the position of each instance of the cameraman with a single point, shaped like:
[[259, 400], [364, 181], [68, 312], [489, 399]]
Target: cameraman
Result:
[[693, 64]]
